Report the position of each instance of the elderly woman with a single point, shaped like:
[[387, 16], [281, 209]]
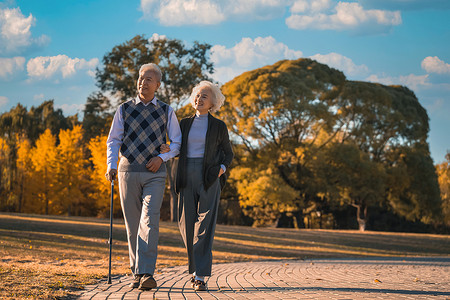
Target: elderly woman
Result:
[[205, 155]]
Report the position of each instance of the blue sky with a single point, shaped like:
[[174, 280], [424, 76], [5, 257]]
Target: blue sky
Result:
[[50, 49]]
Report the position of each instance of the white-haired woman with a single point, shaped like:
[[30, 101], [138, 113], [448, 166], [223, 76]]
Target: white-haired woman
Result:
[[204, 156]]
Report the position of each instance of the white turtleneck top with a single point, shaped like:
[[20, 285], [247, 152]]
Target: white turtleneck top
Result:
[[197, 136]]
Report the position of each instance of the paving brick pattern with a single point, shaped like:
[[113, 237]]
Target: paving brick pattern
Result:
[[363, 278]]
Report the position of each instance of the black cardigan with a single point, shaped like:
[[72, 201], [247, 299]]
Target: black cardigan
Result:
[[217, 151]]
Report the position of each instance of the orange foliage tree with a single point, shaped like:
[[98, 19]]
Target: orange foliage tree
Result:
[[100, 186], [24, 178], [443, 172], [71, 174], [44, 160]]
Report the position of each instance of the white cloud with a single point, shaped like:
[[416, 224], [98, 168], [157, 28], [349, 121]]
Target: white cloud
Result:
[[46, 67], [436, 106], [207, 12], [248, 54], [70, 109], [180, 12], [157, 37], [3, 101], [432, 64], [306, 14], [301, 6], [341, 63], [91, 73], [407, 4], [9, 66], [15, 32], [38, 97], [255, 9], [344, 16], [412, 81]]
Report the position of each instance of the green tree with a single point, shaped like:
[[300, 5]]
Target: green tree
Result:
[[391, 126], [303, 114], [6, 175], [414, 190], [182, 67], [16, 121], [97, 116], [354, 179], [43, 117], [34, 122], [282, 114], [13, 124]]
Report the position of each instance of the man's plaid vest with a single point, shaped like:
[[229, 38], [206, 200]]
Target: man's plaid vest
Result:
[[145, 130]]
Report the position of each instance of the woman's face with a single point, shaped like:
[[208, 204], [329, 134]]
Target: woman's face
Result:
[[203, 100]]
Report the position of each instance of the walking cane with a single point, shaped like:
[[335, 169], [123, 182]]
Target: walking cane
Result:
[[111, 227]]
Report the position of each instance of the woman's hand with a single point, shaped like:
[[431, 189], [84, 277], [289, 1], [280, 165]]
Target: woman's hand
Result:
[[164, 148], [221, 172]]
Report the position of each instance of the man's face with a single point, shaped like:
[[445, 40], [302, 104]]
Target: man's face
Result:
[[148, 83]]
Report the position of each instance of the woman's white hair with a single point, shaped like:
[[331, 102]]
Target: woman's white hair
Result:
[[154, 68], [217, 100]]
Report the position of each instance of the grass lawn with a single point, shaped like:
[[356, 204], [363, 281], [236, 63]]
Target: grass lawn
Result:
[[51, 257]]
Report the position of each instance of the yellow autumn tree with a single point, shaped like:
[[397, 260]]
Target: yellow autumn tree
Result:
[[4, 154], [44, 163], [263, 195], [443, 172], [3, 149], [24, 182], [101, 191], [71, 173]]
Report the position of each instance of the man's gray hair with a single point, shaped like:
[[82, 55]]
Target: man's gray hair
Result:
[[154, 68], [217, 100]]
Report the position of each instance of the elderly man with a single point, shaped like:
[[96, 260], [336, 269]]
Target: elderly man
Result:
[[139, 128]]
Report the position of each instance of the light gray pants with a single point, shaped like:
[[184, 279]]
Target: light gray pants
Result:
[[141, 195], [197, 216]]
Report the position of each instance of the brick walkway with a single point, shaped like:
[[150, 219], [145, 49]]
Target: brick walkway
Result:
[[363, 278]]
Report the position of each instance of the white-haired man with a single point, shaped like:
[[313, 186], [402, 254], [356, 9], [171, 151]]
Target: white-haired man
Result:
[[138, 130]]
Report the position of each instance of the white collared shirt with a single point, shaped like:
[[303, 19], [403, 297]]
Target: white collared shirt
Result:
[[116, 133]]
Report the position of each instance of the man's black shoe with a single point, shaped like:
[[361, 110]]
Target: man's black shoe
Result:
[[147, 282], [136, 281]]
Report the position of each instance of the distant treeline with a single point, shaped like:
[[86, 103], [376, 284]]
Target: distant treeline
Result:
[[313, 149]]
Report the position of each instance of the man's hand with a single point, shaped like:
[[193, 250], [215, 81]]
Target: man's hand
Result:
[[111, 175], [164, 148], [154, 163]]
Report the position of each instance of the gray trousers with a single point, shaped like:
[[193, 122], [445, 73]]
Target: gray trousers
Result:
[[197, 216], [141, 195]]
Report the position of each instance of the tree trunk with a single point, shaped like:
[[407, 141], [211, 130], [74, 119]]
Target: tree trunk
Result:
[[172, 165], [361, 218], [298, 220], [46, 192], [21, 189], [319, 214], [46, 199], [46, 203]]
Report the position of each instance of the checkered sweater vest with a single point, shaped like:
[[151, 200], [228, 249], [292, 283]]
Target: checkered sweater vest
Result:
[[145, 130]]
